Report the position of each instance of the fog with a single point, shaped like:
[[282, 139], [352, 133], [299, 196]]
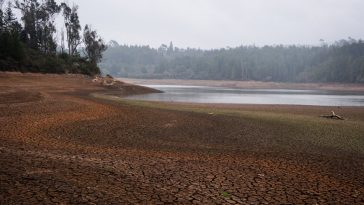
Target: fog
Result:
[[216, 24]]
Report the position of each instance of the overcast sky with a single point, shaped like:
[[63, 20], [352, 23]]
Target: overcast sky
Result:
[[222, 23]]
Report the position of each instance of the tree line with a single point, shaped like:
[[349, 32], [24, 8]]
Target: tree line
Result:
[[31, 44], [342, 61]]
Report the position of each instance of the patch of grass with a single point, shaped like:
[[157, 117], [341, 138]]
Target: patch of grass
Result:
[[225, 194]]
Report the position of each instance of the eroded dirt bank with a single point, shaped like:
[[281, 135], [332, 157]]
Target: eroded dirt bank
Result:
[[59, 145]]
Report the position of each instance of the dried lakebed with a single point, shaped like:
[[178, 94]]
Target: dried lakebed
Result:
[[63, 144]]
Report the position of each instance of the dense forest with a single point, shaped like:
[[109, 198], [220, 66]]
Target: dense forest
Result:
[[31, 44], [342, 61]]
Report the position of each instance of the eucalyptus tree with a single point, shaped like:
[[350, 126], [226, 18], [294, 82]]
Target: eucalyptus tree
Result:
[[73, 27], [94, 45], [9, 21], [47, 13], [38, 18], [29, 10], [10, 45], [1, 16], [8, 17]]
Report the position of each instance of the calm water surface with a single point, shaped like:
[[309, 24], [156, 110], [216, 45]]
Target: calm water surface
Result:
[[206, 94]]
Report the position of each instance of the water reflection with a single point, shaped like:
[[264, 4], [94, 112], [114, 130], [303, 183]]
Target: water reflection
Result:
[[205, 94]]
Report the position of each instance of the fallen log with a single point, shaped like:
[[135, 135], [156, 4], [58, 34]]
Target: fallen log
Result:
[[333, 116]]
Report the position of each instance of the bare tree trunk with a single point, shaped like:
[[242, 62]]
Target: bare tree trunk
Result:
[[69, 42], [62, 41]]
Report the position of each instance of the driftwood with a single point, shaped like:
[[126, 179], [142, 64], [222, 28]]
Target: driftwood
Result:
[[333, 116]]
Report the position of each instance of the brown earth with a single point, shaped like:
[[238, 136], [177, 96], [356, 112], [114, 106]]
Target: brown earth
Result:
[[60, 145]]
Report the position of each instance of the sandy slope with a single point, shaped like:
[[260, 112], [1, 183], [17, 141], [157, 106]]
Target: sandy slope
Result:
[[61, 145]]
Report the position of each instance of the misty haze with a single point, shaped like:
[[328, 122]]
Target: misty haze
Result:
[[181, 102]]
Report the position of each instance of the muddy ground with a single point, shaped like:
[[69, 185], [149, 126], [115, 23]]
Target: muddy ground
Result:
[[61, 145]]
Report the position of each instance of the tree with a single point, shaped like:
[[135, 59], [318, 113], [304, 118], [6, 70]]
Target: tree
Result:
[[163, 49], [37, 35], [170, 48], [8, 17], [38, 19], [62, 42], [1, 17], [47, 29], [8, 20], [94, 45], [73, 28], [113, 44], [10, 46], [29, 9]]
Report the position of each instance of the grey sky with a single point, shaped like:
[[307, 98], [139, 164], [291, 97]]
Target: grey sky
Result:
[[221, 23]]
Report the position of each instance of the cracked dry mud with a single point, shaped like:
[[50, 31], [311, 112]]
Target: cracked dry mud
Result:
[[59, 145]]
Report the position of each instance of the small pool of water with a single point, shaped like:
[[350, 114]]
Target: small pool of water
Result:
[[206, 94]]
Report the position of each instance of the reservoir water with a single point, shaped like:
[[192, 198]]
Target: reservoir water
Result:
[[206, 94]]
